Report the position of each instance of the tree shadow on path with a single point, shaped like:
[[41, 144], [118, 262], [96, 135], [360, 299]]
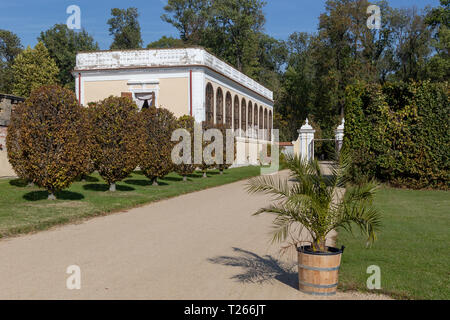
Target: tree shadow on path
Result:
[[259, 269]]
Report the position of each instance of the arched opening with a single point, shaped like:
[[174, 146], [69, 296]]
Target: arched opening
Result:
[[250, 119], [228, 111], [243, 117], [209, 108], [255, 120], [236, 113], [270, 125], [261, 123], [266, 120], [219, 106]]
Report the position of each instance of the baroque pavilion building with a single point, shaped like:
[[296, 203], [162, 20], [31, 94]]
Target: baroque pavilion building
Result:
[[186, 81]]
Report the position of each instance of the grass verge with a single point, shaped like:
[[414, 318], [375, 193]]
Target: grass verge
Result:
[[26, 209], [413, 249]]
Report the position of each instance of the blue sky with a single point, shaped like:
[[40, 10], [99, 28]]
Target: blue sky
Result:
[[27, 18]]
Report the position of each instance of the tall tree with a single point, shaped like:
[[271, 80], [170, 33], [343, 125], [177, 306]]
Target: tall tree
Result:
[[10, 47], [439, 20], [32, 69], [190, 17], [234, 30], [125, 28], [63, 45], [166, 42], [229, 28]]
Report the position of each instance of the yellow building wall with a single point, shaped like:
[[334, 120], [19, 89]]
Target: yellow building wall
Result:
[[174, 95], [98, 90], [173, 92]]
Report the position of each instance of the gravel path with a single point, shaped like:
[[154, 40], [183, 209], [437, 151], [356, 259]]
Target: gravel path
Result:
[[204, 245]]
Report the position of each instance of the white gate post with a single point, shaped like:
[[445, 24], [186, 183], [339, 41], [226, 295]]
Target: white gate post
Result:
[[339, 134], [306, 142]]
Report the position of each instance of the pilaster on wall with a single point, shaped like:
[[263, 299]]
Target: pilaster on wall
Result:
[[339, 135], [304, 146]]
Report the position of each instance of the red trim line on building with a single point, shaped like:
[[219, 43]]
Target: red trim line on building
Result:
[[79, 89], [190, 91]]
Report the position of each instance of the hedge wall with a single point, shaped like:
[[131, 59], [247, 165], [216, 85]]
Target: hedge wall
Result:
[[399, 133]]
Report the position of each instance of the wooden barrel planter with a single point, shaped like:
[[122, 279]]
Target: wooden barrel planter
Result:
[[318, 272]]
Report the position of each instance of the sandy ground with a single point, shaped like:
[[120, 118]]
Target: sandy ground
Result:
[[204, 245]]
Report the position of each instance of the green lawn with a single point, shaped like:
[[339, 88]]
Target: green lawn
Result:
[[413, 250], [24, 209]]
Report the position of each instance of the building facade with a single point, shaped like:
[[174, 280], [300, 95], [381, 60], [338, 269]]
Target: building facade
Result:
[[188, 81]]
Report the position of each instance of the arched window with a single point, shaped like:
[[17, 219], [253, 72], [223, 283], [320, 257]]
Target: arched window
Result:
[[209, 108], [236, 113], [266, 120], [243, 116], [219, 106], [228, 111], [270, 125], [261, 123], [250, 117]]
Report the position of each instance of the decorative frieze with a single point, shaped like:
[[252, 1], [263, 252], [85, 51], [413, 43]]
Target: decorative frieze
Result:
[[104, 60]]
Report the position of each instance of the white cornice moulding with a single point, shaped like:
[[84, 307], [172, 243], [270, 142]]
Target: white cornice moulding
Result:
[[103, 60], [142, 82]]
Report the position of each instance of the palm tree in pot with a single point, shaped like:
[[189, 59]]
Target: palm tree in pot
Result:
[[318, 203]]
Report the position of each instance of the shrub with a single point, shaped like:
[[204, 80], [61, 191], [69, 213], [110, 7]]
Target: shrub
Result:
[[45, 141], [16, 157], [116, 134], [398, 133], [156, 145], [185, 169]]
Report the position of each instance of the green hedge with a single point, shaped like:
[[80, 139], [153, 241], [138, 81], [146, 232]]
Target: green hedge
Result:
[[399, 133]]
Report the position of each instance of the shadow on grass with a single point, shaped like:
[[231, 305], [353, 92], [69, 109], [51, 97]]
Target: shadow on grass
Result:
[[104, 187], [62, 195], [173, 179], [141, 183], [89, 179], [18, 183], [259, 269]]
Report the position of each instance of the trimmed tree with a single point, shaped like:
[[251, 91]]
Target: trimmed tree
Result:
[[156, 145], [206, 165], [185, 169], [45, 142], [16, 156], [115, 134], [223, 129]]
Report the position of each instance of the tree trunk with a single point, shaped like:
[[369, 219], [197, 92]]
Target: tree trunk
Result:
[[30, 185], [112, 187], [320, 245], [204, 175], [155, 182], [51, 196], [184, 178], [221, 172]]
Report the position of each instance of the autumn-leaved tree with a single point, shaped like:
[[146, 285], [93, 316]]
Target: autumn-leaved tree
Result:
[[33, 68], [16, 154], [187, 167], [115, 132], [45, 141], [228, 143], [156, 146]]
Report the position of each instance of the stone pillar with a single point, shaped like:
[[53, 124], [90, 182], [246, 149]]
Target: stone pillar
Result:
[[339, 136], [304, 146]]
